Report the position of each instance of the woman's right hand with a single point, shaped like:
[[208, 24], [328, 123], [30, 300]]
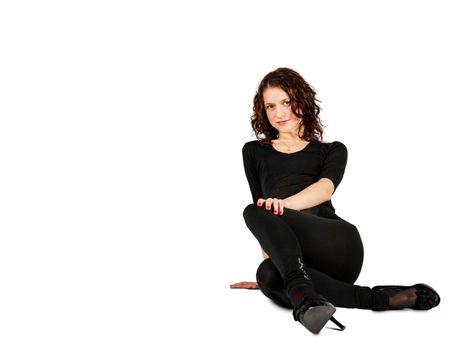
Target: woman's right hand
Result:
[[246, 285], [277, 203]]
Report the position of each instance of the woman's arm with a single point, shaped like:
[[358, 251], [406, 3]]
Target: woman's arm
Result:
[[313, 195], [251, 172]]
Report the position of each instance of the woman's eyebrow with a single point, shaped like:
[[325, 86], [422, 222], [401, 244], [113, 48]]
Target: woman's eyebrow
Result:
[[269, 103]]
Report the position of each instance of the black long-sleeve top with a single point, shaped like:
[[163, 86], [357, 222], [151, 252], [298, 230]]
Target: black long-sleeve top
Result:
[[275, 174]]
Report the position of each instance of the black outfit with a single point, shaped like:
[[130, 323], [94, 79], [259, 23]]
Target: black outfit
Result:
[[313, 244]]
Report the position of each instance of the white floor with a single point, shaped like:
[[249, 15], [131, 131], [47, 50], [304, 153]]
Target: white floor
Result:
[[258, 323]]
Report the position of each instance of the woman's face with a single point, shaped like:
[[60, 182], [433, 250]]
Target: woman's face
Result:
[[278, 108]]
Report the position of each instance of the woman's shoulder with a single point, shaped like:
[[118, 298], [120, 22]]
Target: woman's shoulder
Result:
[[338, 143], [250, 143], [254, 144], [331, 145]]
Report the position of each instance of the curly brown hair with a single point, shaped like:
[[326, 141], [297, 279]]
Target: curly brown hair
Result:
[[301, 95]]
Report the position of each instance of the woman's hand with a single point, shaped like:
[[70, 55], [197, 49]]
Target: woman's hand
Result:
[[246, 285], [277, 204]]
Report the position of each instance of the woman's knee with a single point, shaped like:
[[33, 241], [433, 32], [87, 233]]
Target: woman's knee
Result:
[[253, 214], [356, 238], [268, 276], [249, 209]]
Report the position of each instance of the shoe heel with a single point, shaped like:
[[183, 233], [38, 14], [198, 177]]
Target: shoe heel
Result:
[[316, 317], [338, 323]]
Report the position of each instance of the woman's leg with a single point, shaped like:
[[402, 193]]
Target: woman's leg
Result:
[[280, 242], [271, 283], [328, 251], [332, 246], [340, 294]]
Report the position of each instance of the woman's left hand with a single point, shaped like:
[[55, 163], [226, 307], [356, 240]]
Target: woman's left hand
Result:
[[245, 285], [277, 204]]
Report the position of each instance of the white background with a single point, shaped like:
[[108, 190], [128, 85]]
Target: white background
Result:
[[122, 182]]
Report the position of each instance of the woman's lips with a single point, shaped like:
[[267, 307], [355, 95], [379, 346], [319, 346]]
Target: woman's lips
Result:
[[283, 122]]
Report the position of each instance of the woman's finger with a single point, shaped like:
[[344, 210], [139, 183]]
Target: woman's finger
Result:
[[276, 206], [268, 203], [235, 285]]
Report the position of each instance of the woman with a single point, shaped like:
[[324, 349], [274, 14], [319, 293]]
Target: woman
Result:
[[312, 256]]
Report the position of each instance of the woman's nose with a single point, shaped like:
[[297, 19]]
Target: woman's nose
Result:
[[280, 115]]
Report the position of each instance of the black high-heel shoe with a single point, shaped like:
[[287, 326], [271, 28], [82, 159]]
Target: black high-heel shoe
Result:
[[426, 297], [314, 312]]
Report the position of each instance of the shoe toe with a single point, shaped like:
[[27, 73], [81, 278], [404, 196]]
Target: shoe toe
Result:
[[427, 297]]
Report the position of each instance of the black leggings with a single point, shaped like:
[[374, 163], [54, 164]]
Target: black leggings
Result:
[[326, 246]]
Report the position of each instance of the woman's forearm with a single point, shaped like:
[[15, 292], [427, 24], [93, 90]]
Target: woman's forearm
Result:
[[313, 195]]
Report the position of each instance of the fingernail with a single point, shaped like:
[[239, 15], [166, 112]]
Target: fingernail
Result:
[[275, 212]]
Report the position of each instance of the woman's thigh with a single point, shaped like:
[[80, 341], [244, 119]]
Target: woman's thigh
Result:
[[332, 246]]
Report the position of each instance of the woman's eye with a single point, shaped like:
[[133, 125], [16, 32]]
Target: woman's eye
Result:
[[287, 102]]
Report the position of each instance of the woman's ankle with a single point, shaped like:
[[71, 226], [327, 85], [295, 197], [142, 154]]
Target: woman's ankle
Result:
[[299, 290]]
